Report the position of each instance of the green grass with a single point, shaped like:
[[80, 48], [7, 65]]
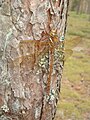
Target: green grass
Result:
[[70, 110], [75, 66], [69, 93], [78, 25], [76, 103]]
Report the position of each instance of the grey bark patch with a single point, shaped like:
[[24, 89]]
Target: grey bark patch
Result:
[[6, 9]]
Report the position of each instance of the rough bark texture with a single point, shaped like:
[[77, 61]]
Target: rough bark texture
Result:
[[29, 78]]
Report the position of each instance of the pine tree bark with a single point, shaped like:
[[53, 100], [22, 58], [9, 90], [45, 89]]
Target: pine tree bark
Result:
[[23, 81]]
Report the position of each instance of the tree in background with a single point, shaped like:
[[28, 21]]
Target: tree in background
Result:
[[31, 57], [74, 4], [89, 9], [80, 6]]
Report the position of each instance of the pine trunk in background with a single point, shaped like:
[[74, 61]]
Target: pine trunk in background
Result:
[[80, 6], [31, 57], [88, 10]]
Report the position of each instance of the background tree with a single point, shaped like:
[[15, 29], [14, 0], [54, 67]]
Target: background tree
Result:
[[31, 51], [89, 9], [81, 6]]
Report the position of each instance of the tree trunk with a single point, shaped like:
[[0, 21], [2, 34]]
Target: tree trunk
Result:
[[78, 7], [31, 52], [88, 10]]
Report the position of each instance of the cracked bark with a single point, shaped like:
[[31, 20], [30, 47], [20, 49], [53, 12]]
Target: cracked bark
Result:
[[24, 76]]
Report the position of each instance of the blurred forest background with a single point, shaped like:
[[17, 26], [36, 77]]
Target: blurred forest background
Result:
[[75, 88]]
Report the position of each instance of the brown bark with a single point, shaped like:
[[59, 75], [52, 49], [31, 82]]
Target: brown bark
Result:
[[31, 57]]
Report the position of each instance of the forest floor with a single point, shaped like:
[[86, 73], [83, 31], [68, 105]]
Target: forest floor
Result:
[[74, 103]]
